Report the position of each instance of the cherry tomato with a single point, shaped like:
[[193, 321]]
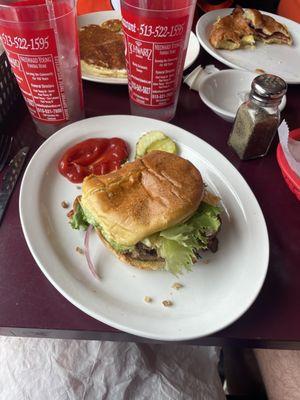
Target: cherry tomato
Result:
[[92, 156]]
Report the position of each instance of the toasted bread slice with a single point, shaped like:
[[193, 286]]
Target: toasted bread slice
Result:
[[267, 29], [232, 32]]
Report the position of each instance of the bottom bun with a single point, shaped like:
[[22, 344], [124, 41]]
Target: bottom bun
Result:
[[142, 264]]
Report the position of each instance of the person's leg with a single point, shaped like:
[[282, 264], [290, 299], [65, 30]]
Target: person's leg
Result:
[[280, 370]]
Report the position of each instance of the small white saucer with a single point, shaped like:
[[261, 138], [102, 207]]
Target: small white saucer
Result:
[[224, 91]]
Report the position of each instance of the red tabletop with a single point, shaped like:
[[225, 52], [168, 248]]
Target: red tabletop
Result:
[[31, 306]]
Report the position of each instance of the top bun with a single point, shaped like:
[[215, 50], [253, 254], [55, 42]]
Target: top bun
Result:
[[146, 196]]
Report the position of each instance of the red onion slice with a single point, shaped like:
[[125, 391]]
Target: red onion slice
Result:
[[87, 252]]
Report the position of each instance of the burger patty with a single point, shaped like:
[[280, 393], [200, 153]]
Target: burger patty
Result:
[[144, 253]]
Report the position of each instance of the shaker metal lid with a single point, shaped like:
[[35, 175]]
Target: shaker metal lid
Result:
[[268, 86]]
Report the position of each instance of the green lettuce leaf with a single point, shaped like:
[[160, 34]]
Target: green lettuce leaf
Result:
[[78, 219], [177, 245]]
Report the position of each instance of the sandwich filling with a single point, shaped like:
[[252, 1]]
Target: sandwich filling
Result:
[[178, 246], [244, 27]]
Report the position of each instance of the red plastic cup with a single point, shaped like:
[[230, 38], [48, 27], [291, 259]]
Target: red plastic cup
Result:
[[156, 38], [40, 38]]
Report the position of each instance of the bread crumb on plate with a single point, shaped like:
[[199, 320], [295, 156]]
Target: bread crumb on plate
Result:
[[79, 250], [177, 285], [64, 204], [148, 299], [167, 303]]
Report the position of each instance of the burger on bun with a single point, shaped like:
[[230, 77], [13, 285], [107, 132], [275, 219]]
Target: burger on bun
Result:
[[153, 213]]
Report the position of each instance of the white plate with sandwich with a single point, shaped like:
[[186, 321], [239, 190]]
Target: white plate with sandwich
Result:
[[220, 287], [119, 75], [279, 59]]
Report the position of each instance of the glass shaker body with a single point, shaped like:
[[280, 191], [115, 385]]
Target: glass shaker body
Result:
[[254, 129], [257, 118]]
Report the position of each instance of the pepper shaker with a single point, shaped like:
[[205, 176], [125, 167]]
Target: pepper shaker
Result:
[[257, 119]]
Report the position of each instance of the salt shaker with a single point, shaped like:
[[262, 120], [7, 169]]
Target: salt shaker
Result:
[[257, 119]]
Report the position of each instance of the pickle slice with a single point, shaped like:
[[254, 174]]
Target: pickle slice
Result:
[[146, 140], [166, 144], [154, 140]]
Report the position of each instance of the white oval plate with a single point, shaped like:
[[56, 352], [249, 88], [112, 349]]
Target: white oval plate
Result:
[[281, 60], [214, 295], [101, 16]]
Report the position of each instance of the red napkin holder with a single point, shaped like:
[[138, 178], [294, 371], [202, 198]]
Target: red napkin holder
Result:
[[291, 178]]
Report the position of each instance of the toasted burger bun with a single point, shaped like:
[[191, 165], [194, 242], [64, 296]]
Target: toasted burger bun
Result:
[[146, 196], [141, 264]]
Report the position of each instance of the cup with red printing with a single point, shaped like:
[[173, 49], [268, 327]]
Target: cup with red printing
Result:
[[40, 39]]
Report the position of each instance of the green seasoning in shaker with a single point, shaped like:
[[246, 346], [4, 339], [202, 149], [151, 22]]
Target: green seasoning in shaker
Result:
[[257, 118]]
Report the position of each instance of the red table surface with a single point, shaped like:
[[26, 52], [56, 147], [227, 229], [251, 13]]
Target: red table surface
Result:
[[31, 306]]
